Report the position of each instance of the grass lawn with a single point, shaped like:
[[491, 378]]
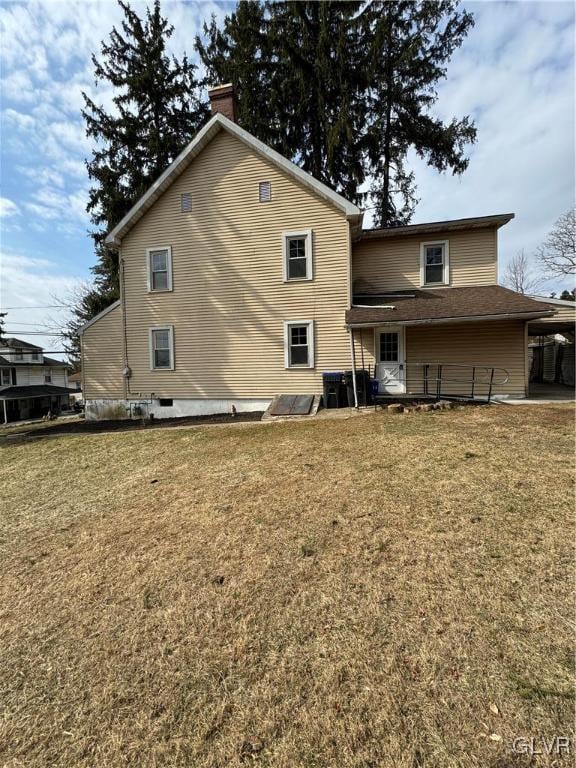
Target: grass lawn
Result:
[[378, 592]]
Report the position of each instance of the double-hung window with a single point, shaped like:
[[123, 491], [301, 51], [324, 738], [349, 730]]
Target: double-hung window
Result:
[[297, 255], [18, 354], [434, 269], [159, 268], [299, 344], [5, 377], [162, 348]]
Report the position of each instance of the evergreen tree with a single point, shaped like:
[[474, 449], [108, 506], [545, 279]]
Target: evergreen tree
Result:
[[296, 71], [241, 53], [409, 44], [157, 110], [345, 89]]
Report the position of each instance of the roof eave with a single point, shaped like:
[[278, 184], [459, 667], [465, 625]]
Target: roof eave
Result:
[[445, 320], [212, 127], [100, 315], [451, 225]]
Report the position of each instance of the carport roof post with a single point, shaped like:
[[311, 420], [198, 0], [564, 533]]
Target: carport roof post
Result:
[[353, 356]]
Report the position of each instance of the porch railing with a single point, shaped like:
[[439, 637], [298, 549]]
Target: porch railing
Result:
[[470, 381]]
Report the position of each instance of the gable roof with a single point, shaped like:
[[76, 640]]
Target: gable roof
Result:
[[13, 343], [477, 222], [202, 138], [47, 362], [97, 317]]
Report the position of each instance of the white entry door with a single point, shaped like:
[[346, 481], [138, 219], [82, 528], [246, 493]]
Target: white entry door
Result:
[[390, 365]]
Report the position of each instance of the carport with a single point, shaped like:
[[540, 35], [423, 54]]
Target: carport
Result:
[[32, 402], [551, 351]]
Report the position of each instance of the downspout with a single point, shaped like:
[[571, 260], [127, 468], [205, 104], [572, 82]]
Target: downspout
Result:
[[353, 356], [526, 362], [5, 412], [126, 379], [82, 375]]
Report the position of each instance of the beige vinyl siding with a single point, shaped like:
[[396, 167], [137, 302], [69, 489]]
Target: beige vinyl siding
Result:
[[229, 300], [563, 314], [499, 343], [394, 263], [102, 358]]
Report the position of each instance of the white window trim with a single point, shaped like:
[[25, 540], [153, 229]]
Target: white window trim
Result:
[[311, 358], [446, 274], [307, 233], [170, 329], [149, 251]]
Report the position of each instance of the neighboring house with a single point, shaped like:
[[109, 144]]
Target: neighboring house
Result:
[[75, 381], [31, 384], [75, 384], [243, 277]]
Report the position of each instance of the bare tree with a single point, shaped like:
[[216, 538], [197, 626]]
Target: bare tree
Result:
[[558, 252], [520, 276]]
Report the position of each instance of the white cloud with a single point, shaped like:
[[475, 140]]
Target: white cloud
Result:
[[515, 76], [28, 287], [8, 208]]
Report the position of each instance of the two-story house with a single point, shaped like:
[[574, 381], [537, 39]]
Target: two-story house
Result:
[[243, 277], [31, 384]]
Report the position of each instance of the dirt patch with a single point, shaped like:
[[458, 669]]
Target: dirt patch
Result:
[[126, 425]]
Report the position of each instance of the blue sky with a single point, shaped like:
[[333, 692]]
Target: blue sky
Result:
[[514, 75]]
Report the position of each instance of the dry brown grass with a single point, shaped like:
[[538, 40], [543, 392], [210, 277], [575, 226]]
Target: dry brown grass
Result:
[[382, 591]]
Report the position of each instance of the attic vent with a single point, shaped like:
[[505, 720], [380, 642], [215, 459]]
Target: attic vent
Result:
[[265, 191], [186, 202]]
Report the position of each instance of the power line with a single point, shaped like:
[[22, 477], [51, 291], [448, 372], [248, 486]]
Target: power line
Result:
[[31, 333], [34, 306]]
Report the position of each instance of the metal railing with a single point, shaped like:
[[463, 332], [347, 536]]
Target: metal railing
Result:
[[470, 381]]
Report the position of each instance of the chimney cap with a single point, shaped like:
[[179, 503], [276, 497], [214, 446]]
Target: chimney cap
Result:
[[212, 88]]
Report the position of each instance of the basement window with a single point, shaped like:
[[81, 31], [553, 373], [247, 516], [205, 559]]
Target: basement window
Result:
[[299, 344], [265, 191], [186, 202], [434, 263], [166, 402]]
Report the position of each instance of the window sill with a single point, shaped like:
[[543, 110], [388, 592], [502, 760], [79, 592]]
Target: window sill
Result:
[[298, 280], [160, 290]]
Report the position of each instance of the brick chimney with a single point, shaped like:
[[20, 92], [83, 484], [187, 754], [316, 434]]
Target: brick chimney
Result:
[[222, 100]]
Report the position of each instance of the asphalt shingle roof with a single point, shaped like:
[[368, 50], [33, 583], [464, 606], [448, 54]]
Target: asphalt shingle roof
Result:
[[442, 304], [38, 390]]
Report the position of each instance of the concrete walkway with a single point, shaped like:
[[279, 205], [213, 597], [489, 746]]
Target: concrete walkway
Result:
[[544, 394]]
